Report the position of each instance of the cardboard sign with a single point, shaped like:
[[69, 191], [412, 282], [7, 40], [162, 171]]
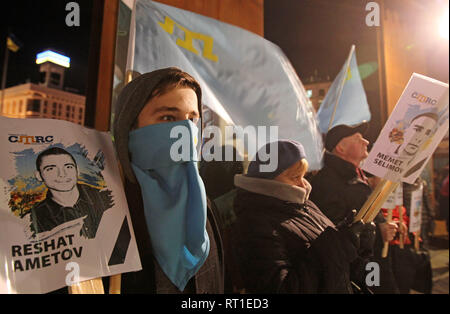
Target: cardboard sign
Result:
[[399, 195], [390, 201], [63, 212], [416, 210], [415, 128]]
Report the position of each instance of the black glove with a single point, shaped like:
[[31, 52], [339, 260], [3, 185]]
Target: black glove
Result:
[[367, 240], [350, 229]]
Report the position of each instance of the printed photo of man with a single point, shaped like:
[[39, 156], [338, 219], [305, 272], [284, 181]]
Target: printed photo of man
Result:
[[421, 128], [66, 199], [420, 131]]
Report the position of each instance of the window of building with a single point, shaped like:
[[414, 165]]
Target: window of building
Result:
[[34, 105], [55, 78], [321, 92], [42, 77]]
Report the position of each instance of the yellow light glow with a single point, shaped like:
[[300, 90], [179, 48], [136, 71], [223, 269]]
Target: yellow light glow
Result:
[[443, 27]]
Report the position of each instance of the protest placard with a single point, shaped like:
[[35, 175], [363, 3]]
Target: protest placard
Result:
[[64, 215], [415, 128]]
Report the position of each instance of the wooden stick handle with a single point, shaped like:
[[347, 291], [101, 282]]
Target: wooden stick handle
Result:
[[402, 236], [386, 243], [416, 241], [93, 286], [372, 197], [114, 284], [372, 212]]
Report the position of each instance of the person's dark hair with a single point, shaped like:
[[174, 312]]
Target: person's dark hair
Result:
[[52, 151], [177, 80], [171, 81]]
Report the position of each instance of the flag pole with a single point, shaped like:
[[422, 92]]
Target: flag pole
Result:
[[341, 87], [5, 71]]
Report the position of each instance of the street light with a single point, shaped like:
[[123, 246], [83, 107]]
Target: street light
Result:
[[443, 27]]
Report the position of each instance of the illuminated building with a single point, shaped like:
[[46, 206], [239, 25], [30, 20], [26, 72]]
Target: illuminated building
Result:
[[47, 99]]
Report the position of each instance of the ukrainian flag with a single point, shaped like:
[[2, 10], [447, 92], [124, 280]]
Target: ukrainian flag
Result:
[[13, 43], [346, 101]]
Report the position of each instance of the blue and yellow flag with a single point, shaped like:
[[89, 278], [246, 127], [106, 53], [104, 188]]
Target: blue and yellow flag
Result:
[[346, 101], [13, 43]]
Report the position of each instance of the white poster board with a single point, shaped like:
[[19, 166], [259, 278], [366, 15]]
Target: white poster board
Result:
[[390, 201], [63, 212], [416, 210], [415, 128]]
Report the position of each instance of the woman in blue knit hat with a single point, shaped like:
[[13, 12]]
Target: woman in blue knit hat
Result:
[[282, 241]]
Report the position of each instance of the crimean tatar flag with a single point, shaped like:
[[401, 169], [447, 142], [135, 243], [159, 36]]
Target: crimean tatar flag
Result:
[[346, 101]]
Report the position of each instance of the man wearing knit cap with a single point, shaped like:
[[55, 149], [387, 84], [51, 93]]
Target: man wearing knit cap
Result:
[[341, 186], [177, 236]]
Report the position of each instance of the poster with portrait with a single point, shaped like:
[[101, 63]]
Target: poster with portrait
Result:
[[412, 133], [63, 212], [416, 210]]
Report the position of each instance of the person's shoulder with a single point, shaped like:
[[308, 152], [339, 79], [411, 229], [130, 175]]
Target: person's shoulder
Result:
[[39, 207], [87, 188], [325, 176]]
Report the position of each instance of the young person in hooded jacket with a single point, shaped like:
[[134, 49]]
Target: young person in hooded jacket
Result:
[[283, 242], [177, 235]]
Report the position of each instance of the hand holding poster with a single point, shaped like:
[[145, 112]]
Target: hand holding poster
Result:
[[63, 213], [393, 202]]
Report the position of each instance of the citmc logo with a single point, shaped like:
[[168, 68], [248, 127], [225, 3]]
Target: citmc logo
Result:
[[424, 99], [30, 139]]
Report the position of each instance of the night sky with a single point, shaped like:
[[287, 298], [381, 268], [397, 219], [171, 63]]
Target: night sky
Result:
[[317, 34]]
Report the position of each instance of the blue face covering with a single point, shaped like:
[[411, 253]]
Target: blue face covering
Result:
[[174, 196]]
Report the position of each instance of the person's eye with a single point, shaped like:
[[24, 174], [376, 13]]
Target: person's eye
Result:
[[48, 169], [168, 118], [194, 120]]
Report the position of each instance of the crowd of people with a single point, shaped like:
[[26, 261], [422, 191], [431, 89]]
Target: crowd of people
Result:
[[221, 228]]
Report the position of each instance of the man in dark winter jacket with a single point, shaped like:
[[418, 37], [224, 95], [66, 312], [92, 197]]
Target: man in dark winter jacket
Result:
[[177, 235], [282, 241], [341, 186]]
